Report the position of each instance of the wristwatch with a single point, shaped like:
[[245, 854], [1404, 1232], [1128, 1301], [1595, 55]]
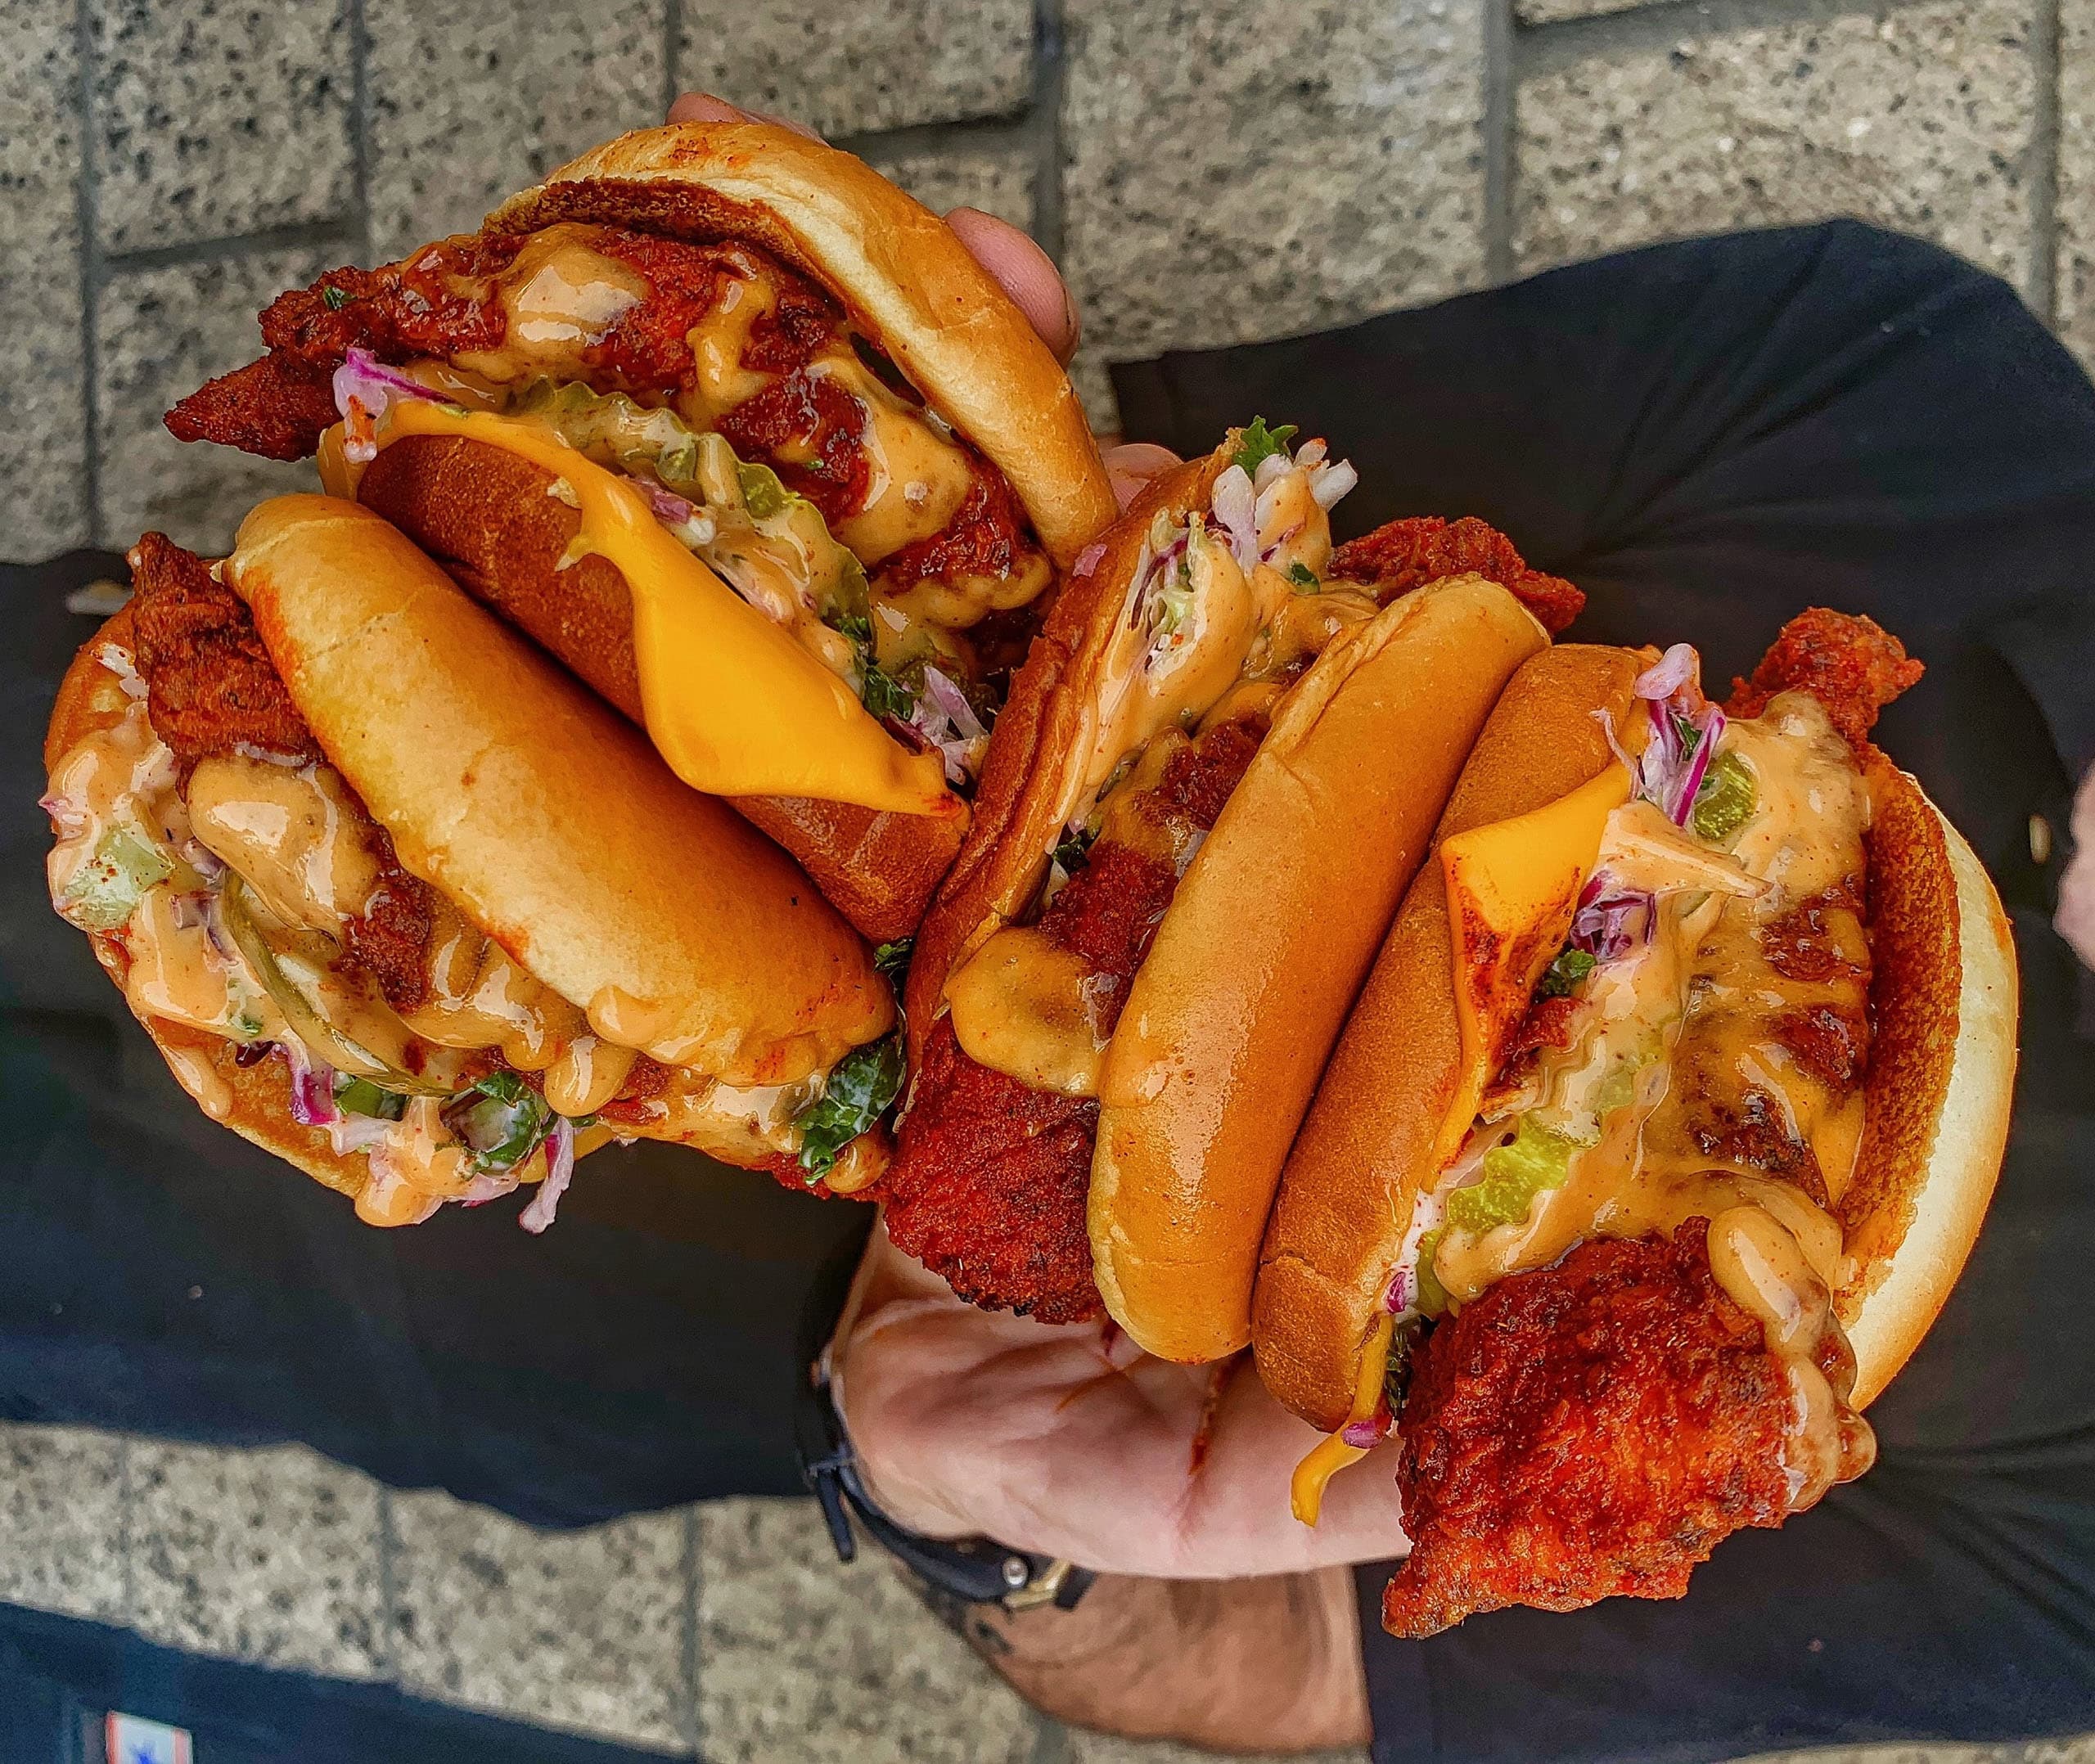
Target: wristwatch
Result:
[[967, 1571]]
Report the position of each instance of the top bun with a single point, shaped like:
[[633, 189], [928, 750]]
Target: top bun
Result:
[[544, 816], [908, 284]]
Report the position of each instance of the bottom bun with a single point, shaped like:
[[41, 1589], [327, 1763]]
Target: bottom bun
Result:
[[1944, 994]]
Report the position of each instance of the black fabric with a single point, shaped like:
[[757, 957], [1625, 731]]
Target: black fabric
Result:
[[157, 1273], [1708, 438]]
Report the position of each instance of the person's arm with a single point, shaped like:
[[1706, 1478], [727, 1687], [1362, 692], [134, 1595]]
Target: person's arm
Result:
[[1217, 1618], [1266, 1665]]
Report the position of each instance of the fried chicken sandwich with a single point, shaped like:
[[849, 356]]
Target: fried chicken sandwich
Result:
[[744, 437], [1658, 1134], [400, 901], [1213, 779]]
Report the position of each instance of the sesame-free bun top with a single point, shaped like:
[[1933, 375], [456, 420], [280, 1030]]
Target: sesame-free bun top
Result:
[[544, 816], [908, 284]]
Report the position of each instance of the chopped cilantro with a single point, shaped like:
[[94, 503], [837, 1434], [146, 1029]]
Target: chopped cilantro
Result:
[[860, 1088], [334, 298], [1562, 976], [1304, 576], [501, 1119], [1259, 444], [885, 695], [1074, 851], [893, 959]]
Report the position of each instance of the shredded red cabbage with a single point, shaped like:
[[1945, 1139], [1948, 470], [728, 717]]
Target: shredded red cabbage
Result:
[[313, 1088], [1087, 560], [1610, 921], [364, 388], [1397, 1298], [1685, 727], [560, 1171], [1368, 1434], [1235, 503]]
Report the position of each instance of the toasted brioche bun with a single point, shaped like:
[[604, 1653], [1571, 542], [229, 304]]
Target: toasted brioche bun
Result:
[[1941, 1072], [1043, 733], [485, 515], [1267, 938], [544, 818], [908, 284]]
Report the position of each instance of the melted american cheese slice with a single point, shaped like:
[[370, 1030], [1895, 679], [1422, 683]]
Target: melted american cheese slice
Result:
[[733, 701], [1512, 887]]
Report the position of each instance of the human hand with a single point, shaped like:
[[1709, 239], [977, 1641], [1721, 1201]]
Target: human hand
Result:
[[2076, 914], [1068, 1440], [1018, 266]]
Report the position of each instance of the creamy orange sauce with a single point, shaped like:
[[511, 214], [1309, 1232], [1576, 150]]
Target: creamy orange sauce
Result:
[[1026, 1006], [298, 863]]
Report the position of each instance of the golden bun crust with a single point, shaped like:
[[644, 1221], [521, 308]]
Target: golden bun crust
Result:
[[1042, 732], [485, 515], [1943, 992], [1231, 1014], [254, 1100], [1347, 1190], [908, 283], [548, 820]]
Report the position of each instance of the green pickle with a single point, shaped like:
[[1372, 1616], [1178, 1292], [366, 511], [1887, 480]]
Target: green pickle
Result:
[[1536, 1158], [1725, 802]]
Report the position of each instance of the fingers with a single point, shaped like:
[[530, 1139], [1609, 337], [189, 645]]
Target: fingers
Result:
[[1132, 464], [1025, 272], [703, 107], [1019, 266]]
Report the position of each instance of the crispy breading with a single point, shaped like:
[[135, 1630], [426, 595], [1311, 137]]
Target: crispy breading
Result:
[[1584, 1431], [1407, 554]]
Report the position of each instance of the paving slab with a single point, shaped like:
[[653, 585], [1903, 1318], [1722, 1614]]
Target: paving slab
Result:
[[1105, 1748], [269, 1557], [1920, 119], [2076, 187], [474, 100], [62, 1520], [161, 333], [846, 67], [585, 1631], [215, 118], [1245, 172], [42, 358], [803, 1660], [996, 179], [1555, 12]]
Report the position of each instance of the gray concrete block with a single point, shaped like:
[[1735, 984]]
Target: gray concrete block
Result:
[[62, 1520], [43, 444], [1551, 11], [265, 1556], [578, 1630], [161, 334], [995, 178], [2076, 199], [1920, 119], [1244, 172], [847, 66], [475, 100], [1104, 1749], [803, 1660], [218, 117]]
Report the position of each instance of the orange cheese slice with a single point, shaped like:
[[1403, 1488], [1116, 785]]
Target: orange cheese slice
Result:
[[735, 705], [1513, 887], [1332, 1454]]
